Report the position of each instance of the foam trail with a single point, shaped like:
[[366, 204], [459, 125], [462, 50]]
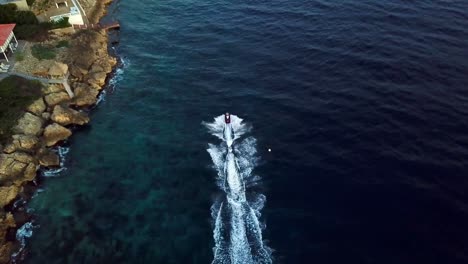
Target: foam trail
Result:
[[237, 229]]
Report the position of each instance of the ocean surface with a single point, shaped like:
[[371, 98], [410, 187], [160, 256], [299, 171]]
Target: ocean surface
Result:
[[364, 105]]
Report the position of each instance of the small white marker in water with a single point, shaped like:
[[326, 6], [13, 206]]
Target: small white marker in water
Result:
[[269, 150]]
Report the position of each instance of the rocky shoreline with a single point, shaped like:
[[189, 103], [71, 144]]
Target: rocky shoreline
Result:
[[48, 122]]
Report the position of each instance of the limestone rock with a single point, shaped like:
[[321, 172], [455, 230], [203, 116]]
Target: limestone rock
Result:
[[10, 148], [78, 72], [48, 158], [66, 116], [53, 88], [6, 248], [96, 68], [8, 194], [95, 86], [53, 99], [22, 142], [46, 116], [98, 78], [29, 124], [54, 133], [85, 96], [38, 107], [29, 172], [16, 166]]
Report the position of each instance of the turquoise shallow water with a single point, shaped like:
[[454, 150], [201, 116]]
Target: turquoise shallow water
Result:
[[363, 104]]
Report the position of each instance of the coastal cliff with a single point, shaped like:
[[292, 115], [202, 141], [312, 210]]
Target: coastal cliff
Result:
[[48, 121]]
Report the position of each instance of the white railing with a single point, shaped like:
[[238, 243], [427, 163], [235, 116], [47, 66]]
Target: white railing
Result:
[[5, 45]]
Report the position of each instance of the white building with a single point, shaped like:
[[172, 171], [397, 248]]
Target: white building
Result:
[[21, 4], [65, 8]]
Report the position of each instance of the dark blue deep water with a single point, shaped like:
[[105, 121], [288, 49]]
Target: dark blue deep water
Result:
[[363, 103]]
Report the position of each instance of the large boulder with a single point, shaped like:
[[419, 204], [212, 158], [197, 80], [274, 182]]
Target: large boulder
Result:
[[66, 116], [38, 107], [29, 124], [58, 69], [53, 88], [22, 142], [54, 99], [77, 72], [96, 68], [54, 133], [9, 148], [98, 78], [8, 194], [17, 166], [85, 96], [48, 158]]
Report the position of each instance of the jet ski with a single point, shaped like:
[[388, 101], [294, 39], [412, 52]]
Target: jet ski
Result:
[[228, 132]]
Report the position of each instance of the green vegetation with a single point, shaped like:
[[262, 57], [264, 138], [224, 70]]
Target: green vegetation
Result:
[[63, 43], [32, 32], [30, 2], [62, 23], [27, 25], [43, 52], [16, 94], [10, 14], [19, 56]]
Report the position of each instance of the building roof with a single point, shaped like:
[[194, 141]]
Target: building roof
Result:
[[5, 30]]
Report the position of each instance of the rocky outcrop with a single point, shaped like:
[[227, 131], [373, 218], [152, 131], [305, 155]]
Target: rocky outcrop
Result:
[[29, 124], [26, 143], [98, 78], [38, 107], [17, 166], [8, 194], [48, 158], [6, 247], [66, 116], [94, 63], [78, 72], [54, 99], [89, 63], [85, 96], [54, 133], [52, 88]]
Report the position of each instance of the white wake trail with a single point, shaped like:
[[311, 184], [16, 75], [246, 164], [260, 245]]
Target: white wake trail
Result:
[[237, 229]]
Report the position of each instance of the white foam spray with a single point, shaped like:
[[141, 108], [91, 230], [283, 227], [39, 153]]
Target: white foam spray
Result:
[[237, 229], [62, 153]]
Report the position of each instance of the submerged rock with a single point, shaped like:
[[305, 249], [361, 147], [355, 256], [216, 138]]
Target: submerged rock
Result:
[[66, 116], [54, 133], [29, 124]]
